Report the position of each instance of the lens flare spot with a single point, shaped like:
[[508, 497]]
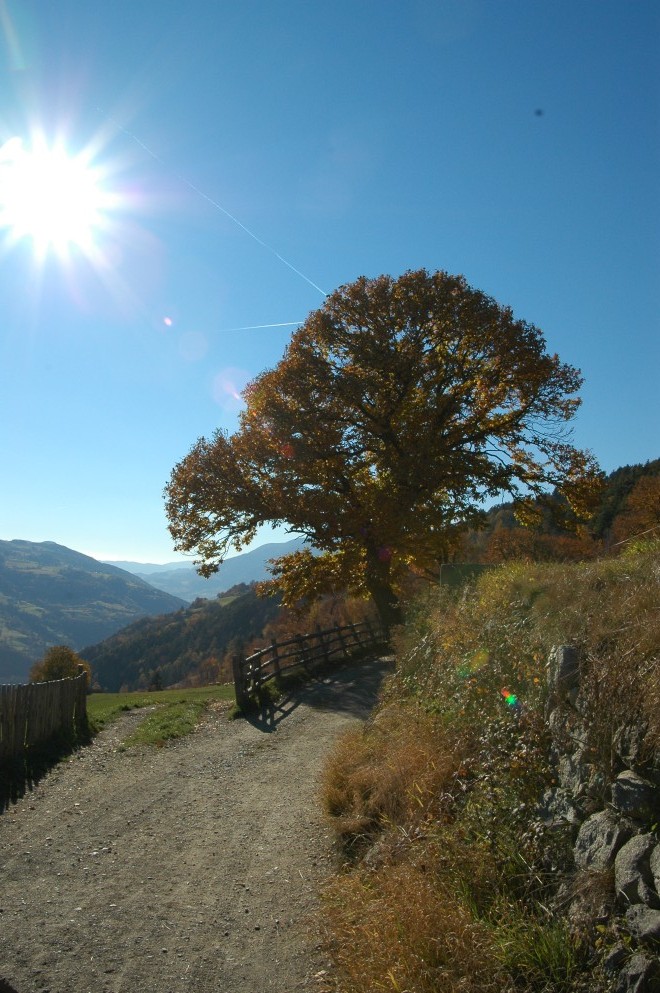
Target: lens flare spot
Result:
[[473, 663], [510, 698], [478, 660], [168, 322], [227, 387]]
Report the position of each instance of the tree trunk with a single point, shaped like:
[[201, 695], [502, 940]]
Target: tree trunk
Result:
[[377, 581]]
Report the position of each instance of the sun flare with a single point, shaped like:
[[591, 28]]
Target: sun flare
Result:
[[50, 196]]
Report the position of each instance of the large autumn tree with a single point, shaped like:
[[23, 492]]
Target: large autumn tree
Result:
[[398, 408]]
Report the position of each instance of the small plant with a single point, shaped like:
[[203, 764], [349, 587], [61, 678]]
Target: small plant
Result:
[[538, 953], [176, 720]]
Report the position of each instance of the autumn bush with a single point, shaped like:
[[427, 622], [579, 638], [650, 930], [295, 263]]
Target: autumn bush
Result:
[[452, 880], [59, 662]]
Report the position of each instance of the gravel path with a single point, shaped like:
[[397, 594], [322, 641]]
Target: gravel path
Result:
[[194, 867]]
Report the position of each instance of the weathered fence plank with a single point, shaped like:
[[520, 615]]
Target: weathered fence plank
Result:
[[32, 714]]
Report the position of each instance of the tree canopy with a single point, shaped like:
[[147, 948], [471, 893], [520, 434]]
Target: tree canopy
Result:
[[399, 407]]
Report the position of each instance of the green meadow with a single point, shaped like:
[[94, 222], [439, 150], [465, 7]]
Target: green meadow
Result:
[[171, 713]]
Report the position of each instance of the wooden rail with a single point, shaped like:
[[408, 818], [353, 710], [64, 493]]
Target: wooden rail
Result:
[[34, 714], [304, 652]]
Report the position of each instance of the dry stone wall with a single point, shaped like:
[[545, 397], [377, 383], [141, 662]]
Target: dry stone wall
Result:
[[611, 805]]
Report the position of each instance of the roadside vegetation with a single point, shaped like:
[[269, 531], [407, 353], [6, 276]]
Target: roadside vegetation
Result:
[[452, 880], [174, 713]]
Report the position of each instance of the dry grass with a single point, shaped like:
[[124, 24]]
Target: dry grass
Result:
[[423, 910], [621, 651], [399, 930], [396, 771], [457, 882]]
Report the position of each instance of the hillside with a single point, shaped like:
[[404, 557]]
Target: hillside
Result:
[[629, 504], [50, 595], [161, 651], [504, 800], [181, 579]]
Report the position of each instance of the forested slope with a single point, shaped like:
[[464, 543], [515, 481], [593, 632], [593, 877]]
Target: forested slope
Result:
[[162, 651]]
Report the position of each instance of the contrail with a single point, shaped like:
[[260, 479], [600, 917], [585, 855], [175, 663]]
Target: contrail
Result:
[[218, 206], [269, 248], [256, 327]]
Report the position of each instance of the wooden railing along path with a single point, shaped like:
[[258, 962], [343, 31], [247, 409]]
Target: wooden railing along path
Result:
[[34, 714], [304, 652]]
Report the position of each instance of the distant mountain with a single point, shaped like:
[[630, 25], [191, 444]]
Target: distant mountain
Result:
[[182, 579], [196, 641], [148, 568], [51, 595]]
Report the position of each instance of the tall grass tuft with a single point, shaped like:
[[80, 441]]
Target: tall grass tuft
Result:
[[395, 772], [400, 930]]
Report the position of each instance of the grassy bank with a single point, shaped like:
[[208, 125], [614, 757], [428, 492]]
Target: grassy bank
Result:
[[174, 712], [452, 881]]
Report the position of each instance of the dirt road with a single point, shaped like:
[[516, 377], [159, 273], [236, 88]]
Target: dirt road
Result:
[[193, 868]]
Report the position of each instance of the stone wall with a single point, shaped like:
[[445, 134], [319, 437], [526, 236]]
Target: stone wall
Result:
[[611, 805]]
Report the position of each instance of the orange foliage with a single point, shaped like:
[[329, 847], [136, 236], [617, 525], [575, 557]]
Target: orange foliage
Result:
[[641, 512], [523, 544]]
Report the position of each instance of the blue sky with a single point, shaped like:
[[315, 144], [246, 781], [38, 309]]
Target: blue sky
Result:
[[257, 155]]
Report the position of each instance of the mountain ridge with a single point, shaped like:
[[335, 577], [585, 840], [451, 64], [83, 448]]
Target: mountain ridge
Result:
[[51, 594], [147, 568], [186, 583]]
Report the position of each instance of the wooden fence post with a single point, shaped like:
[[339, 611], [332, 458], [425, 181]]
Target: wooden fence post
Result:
[[322, 643], [80, 707], [276, 658], [371, 635], [240, 683], [302, 649]]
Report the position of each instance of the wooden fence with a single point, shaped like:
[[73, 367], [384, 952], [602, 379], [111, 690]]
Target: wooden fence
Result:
[[303, 653], [34, 714]]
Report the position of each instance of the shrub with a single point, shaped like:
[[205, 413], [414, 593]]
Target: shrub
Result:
[[59, 662]]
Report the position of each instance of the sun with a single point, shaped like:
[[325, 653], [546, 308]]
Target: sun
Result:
[[51, 197]]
